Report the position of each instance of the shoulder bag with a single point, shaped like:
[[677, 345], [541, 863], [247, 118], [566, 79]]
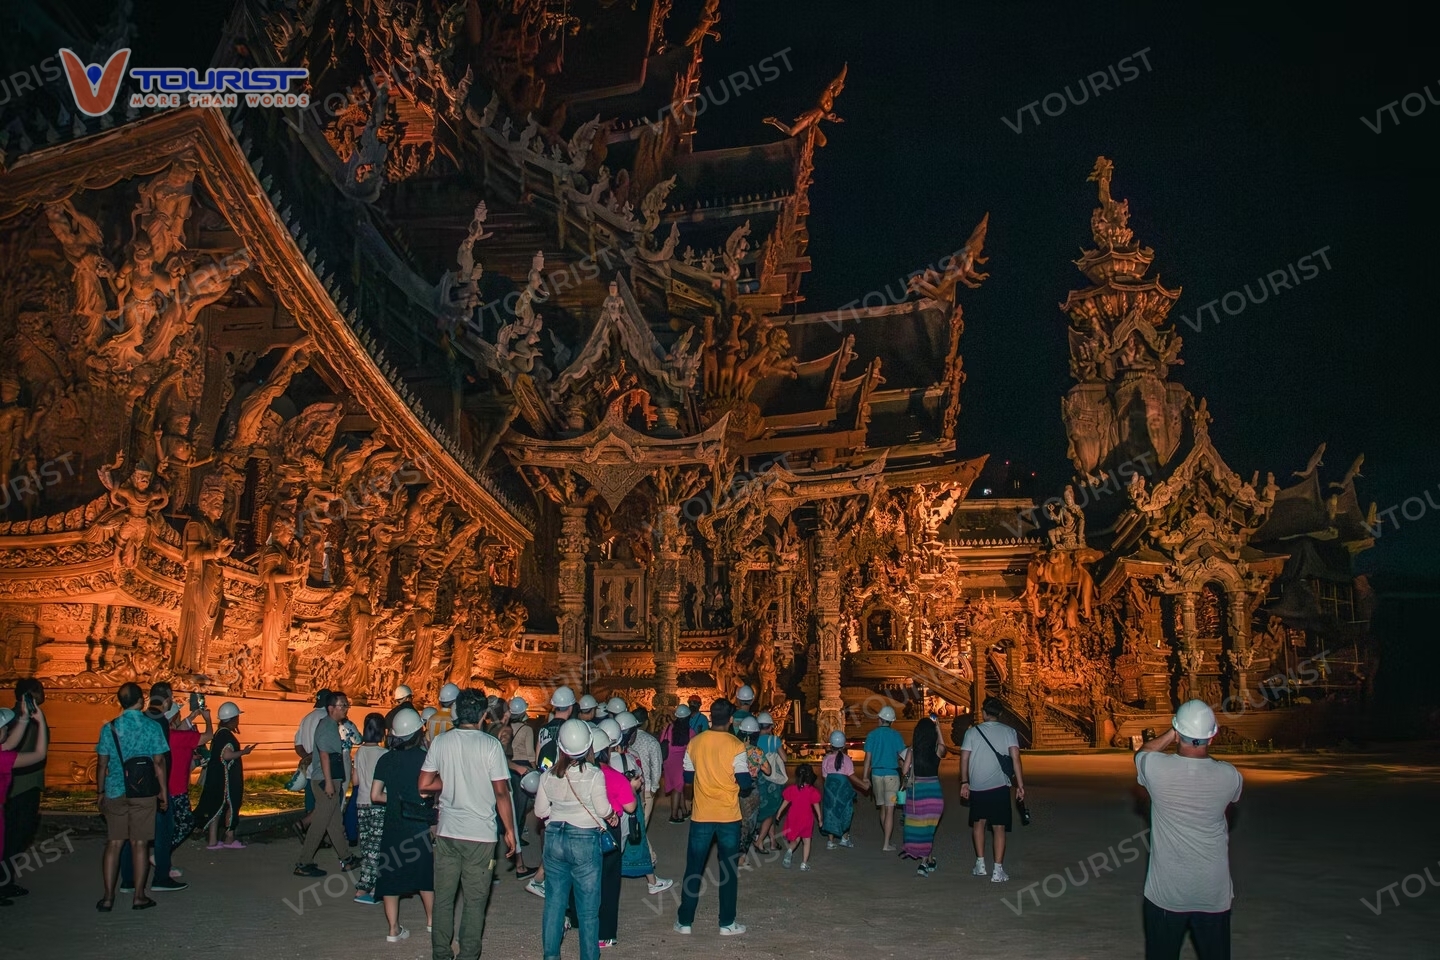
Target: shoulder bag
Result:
[[140, 780], [608, 843], [1007, 763]]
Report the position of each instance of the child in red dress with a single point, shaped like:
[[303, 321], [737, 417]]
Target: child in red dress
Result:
[[802, 801]]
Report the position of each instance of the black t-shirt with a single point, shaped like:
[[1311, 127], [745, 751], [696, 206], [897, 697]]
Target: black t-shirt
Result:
[[923, 746]]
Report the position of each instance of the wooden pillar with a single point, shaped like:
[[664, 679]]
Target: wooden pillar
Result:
[[1240, 642], [665, 597], [831, 713], [572, 544], [1191, 656]]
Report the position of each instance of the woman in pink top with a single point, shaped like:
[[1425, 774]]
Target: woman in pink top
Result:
[[12, 731], [622, 797], [802, 801]]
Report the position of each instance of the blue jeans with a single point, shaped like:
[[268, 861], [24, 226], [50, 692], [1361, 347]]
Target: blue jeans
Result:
[[160, 847], [572, 865], [702, 835]]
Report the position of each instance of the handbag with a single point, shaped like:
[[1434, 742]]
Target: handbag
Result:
[[777, 775], [298, 779], [1007, 764], [608, 843], [141, 782]]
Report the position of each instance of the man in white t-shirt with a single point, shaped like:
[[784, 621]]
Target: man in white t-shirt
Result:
[[1187, 887], [986, 785], [467, 768], [305, 750]]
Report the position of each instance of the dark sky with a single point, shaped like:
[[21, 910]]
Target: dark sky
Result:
[[1240, 150]]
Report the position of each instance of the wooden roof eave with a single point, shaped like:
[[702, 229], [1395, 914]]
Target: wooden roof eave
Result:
[[149, 146]]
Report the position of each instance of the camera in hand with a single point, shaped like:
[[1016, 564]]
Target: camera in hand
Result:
[[1024, 812]]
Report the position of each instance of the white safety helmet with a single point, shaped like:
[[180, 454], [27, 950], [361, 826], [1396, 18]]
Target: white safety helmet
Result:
[[402, 692], [766, 720], [749, 725], [746, 695], [562, 697], [7, 717], [611, 728], [575, 738], [1195, 721], [530, 783], [427, 713], [681, 712], [837, 739], [449, 693], [173, 711], [518, 707], [599, 739], [600, 711], [405, 723], [627, 721], [228, 711], [588, 702], [887, 714], [616, 705]]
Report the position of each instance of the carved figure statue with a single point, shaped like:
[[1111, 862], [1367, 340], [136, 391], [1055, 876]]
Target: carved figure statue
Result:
[[1069, 530], [200, 605], [725, 666], [654, 203], [18, 426], [823, 110], [80, 239], [142, 292], [165, 206], [766, 672], [709, 19], [255, 410], [279, 571], [939, 285], [135, 502], [200, 288], [1108, 222]]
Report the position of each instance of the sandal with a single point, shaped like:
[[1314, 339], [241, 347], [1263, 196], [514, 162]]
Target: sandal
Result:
[[105, 906], [145, 904]]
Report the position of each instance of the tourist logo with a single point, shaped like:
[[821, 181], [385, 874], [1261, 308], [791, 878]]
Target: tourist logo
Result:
[[95, 87]]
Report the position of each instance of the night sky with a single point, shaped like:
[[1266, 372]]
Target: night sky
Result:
[[1240, 150]]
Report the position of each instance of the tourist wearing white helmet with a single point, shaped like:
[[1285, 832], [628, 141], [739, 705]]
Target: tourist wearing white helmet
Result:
[[403, 698], [882, 771], [648, 752], [748, 732], [616, 706], [772, 785], [837, 794], [223, 792], [519, 742], [442, 719], [427, 713], [605, 738], [744, 698], [467, 768], [408, 818], [989, 766], [586, 708], [1187, 887], [612, 730], [573, 802], [640, 759], [562, 705]]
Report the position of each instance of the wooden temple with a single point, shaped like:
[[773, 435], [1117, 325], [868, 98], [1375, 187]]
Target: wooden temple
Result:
[[477, 370]]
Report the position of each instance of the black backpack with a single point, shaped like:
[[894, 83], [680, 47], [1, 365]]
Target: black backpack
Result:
[[545, 756]]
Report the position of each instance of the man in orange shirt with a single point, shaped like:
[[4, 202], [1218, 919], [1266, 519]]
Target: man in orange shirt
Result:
[[715, 766]]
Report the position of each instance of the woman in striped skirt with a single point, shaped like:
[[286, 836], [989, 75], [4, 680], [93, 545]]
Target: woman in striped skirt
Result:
[[924, 802]]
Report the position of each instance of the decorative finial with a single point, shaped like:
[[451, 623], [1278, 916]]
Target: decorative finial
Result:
[[1108, 222]]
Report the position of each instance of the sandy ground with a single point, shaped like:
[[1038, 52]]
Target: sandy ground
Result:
[[1316, 836]]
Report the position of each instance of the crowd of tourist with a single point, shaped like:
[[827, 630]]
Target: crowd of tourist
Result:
[[426, 803]]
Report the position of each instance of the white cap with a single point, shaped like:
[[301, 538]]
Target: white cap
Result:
[[588, 702], [518, 707], [449, 693], [173, 711], [766, 720], [837, 739], [428, 712], [228, 711], [401, 692], [405, 723], [627, 721], [574, 738], [681, 712], [749, 725], [746, 695], [616, 705], [612, 730], [1194, 720], [887, 714], [530, 783], [599, 739], [562, 697]]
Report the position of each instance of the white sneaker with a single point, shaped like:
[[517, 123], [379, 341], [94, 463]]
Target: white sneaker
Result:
[[734, 930], [403, 934], [789, 855], [1000, 876], [536, 887], [830, 844], [682, 927], [979, 870], [804, 867], [845, 841], [660, 885]]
